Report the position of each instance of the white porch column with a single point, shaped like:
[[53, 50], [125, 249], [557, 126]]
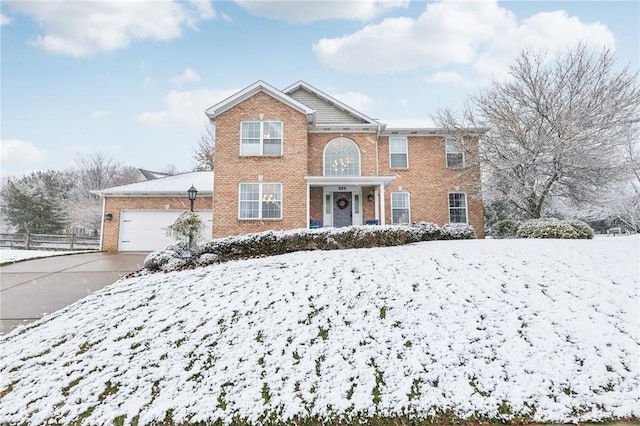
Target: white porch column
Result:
[[376, 205], [382, 203], [308, 207]]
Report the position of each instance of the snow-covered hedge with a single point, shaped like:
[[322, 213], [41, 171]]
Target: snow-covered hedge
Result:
[[272, 243], [458, 231], [506, 228], [546, 228], [584, 231], [169, 259]]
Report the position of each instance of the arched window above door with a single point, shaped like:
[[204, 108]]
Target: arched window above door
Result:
[[342, 158]]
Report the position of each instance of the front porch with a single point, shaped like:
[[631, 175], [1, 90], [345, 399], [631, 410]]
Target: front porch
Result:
[[340, 201]]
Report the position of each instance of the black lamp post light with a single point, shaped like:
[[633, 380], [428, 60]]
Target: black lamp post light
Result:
[[192, 192]]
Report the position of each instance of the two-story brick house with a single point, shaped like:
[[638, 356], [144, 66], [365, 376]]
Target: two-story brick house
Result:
[[299, 158]]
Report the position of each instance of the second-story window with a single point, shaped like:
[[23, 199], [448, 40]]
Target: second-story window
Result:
[[341, 158], [261, 138], [455, 153], [398, 152]]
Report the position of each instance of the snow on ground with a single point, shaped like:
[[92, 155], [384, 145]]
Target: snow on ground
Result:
[[548, 329], [7, 256]]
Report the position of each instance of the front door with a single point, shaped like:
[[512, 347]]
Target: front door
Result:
[[342, 209]]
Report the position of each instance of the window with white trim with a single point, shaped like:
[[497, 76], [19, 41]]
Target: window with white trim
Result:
[[398, 152], [261, 138], [342, 158], [400, 209], [457, 207], [455, 153], [260, 201]]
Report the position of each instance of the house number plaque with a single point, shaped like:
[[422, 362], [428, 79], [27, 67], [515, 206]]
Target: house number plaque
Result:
[[342, 188]]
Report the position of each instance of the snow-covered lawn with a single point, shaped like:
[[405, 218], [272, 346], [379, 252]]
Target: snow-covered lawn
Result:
[[544, 329], [8, 256]]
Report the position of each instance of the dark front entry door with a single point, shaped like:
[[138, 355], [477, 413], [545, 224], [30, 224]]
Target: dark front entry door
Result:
[[342, 209]]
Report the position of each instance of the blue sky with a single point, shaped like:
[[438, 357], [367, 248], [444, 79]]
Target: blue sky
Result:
[[131, 79]]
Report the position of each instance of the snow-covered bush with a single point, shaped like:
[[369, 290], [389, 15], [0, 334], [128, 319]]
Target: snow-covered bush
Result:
[[271, 243], [188, 227], [458, 231], [506, 228], [583, 229], [279, 242], [169, 259], [546, 228]]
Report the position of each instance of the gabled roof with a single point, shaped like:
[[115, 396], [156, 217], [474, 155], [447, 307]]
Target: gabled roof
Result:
[[150, 174], [173, 185], [329, 100], [246, 93]]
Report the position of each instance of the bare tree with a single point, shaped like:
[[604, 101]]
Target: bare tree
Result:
[[204, 154], [556, 128], [90, 173], [93, 172]]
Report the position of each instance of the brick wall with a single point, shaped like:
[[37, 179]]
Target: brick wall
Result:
[[231, 169], [429, 181], [115, 205]]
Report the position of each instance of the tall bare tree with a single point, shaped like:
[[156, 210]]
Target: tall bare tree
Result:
[[93, 172], [204, 153], [557, 128]]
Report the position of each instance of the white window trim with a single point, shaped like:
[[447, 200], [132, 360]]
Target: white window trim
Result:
[[260, 184], [324, 157], [408, 205], [466, 206], [406, 152], [262, 154], [447, 152]]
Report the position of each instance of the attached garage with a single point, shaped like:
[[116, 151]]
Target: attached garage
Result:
[[136, 216], [146, 230]]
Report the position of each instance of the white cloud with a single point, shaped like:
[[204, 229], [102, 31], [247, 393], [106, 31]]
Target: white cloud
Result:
[[358, 101], [451, 78], [187, 76], [4, 20], [100, 114], [185, 107], [296, 11], [16, 156], [480, 35], [82, 28]]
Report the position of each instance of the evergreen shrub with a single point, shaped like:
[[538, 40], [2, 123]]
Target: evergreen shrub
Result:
[[584, 231], [272, 243], [546, 228], [506, 228]]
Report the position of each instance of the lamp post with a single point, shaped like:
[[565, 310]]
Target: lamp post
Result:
[[192, 192]]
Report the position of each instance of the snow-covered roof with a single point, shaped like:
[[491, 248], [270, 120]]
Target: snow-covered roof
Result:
[[172, 185]]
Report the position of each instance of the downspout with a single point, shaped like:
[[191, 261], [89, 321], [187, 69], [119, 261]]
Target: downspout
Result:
[[377, 137], [104, 205], [376, 196], [309, 207]]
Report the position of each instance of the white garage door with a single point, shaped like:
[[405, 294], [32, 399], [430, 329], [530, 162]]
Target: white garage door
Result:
[[146, 230]]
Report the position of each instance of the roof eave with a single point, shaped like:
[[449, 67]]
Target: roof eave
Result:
[[180, 194], [259, 86]]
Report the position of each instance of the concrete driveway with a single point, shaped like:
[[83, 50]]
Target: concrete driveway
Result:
[[33, 288]]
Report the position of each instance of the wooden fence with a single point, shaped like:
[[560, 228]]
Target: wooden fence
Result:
[[49, 242]]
